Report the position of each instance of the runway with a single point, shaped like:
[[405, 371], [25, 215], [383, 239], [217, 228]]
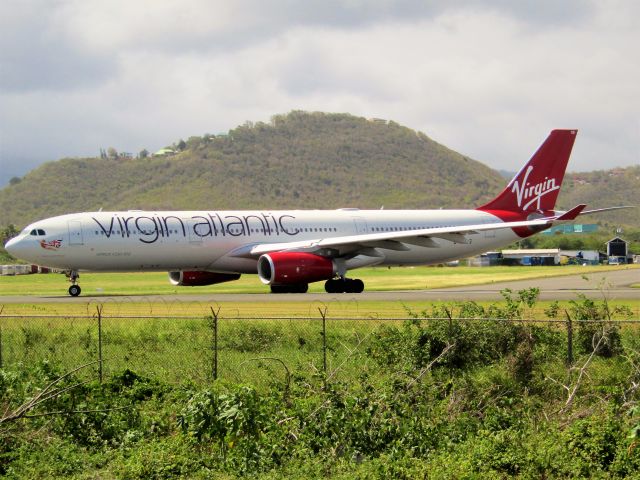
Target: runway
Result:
[[615, 285]]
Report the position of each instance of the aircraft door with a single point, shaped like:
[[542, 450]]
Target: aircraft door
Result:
[[194, 238], [361, 225], [75, 233]]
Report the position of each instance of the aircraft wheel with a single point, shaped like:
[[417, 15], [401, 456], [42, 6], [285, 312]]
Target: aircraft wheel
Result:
[[357, 286], [74, 290], [294, 288], [353, 285], [334, 286], [328, 286]]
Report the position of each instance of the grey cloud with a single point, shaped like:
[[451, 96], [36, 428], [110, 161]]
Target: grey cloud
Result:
[[312, 72], [77, 75], [350, 14], [39, 51], [34, 56]]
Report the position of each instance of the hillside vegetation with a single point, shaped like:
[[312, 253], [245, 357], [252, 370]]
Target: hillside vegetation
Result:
[[605, 188], [299, 160]]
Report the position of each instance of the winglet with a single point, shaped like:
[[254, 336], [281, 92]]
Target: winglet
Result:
[[571, 214]]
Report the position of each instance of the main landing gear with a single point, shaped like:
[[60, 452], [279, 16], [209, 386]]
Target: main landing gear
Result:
[[74, 289], [293, 288], [335, 285], [344, 285]]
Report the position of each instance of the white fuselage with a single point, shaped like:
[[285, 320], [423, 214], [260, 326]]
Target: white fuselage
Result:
[[216, 240]]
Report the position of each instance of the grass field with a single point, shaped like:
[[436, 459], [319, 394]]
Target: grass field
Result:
[[122, 293], [498, 393], [375, 279], [172, 338]]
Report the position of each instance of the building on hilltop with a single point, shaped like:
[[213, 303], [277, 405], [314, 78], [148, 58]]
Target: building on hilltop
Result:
[[164, 152]]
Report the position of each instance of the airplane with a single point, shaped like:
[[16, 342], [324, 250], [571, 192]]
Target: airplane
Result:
[[290, 249]]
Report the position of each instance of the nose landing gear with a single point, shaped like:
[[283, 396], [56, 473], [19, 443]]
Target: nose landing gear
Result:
[[74, 289]]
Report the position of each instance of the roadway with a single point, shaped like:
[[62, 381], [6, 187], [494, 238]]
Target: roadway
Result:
[[613, 284]]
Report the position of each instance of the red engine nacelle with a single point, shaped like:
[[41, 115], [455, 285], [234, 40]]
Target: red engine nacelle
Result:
[[285, 268], [199, 279]]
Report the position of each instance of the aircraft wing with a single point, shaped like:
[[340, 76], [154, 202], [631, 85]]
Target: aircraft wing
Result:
[[366, 243]]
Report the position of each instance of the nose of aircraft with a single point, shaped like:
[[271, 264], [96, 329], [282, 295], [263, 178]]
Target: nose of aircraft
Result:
[[15, 246]]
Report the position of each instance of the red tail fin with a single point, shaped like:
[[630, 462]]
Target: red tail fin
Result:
[[536, 186]]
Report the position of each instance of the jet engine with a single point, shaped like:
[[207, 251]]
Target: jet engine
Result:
[[199, 279], [287, 268]]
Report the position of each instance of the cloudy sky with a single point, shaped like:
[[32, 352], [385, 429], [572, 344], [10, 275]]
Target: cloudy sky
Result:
[[486, 78]]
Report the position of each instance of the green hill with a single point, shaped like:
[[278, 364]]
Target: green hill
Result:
[[299, 160], [605, 188]]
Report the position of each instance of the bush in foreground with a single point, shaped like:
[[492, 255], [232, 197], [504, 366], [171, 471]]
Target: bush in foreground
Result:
[[444, 398]]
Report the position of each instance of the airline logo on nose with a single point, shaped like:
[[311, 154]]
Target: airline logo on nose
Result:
[[531, 194], [52, 245]]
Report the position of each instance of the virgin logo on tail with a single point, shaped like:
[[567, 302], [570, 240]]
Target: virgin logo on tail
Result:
[[532, 193], [537, 184]]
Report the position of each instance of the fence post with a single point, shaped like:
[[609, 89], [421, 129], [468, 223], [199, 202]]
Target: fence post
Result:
[[1, 310], [323, 314], [214, 317], [99, 309], [569, 339], [450, 334]]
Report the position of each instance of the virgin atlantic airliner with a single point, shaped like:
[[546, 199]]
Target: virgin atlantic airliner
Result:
[[290, 249]]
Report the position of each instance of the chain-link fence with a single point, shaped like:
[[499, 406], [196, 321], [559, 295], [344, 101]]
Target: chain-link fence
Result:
[[257, 350]]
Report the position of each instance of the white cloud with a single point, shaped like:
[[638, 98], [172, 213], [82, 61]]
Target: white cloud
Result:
[[487, 79]]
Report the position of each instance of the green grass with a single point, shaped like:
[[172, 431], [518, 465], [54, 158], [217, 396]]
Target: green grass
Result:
[[256, 309], [175, 341], [382, 411], [174, 349], [376, 279]]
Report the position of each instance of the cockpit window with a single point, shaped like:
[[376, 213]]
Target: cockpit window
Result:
[[33, 232], [37, 232], [41, 232]]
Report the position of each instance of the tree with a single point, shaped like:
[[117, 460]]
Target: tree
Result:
[[15, 180], [144, 153], [181, 145], [112, 152], [8, 232]]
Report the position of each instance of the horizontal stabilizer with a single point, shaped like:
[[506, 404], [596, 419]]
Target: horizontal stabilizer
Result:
[[572, 214]]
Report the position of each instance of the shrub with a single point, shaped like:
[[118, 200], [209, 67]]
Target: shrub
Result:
[[252, 338], [595, 326]]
